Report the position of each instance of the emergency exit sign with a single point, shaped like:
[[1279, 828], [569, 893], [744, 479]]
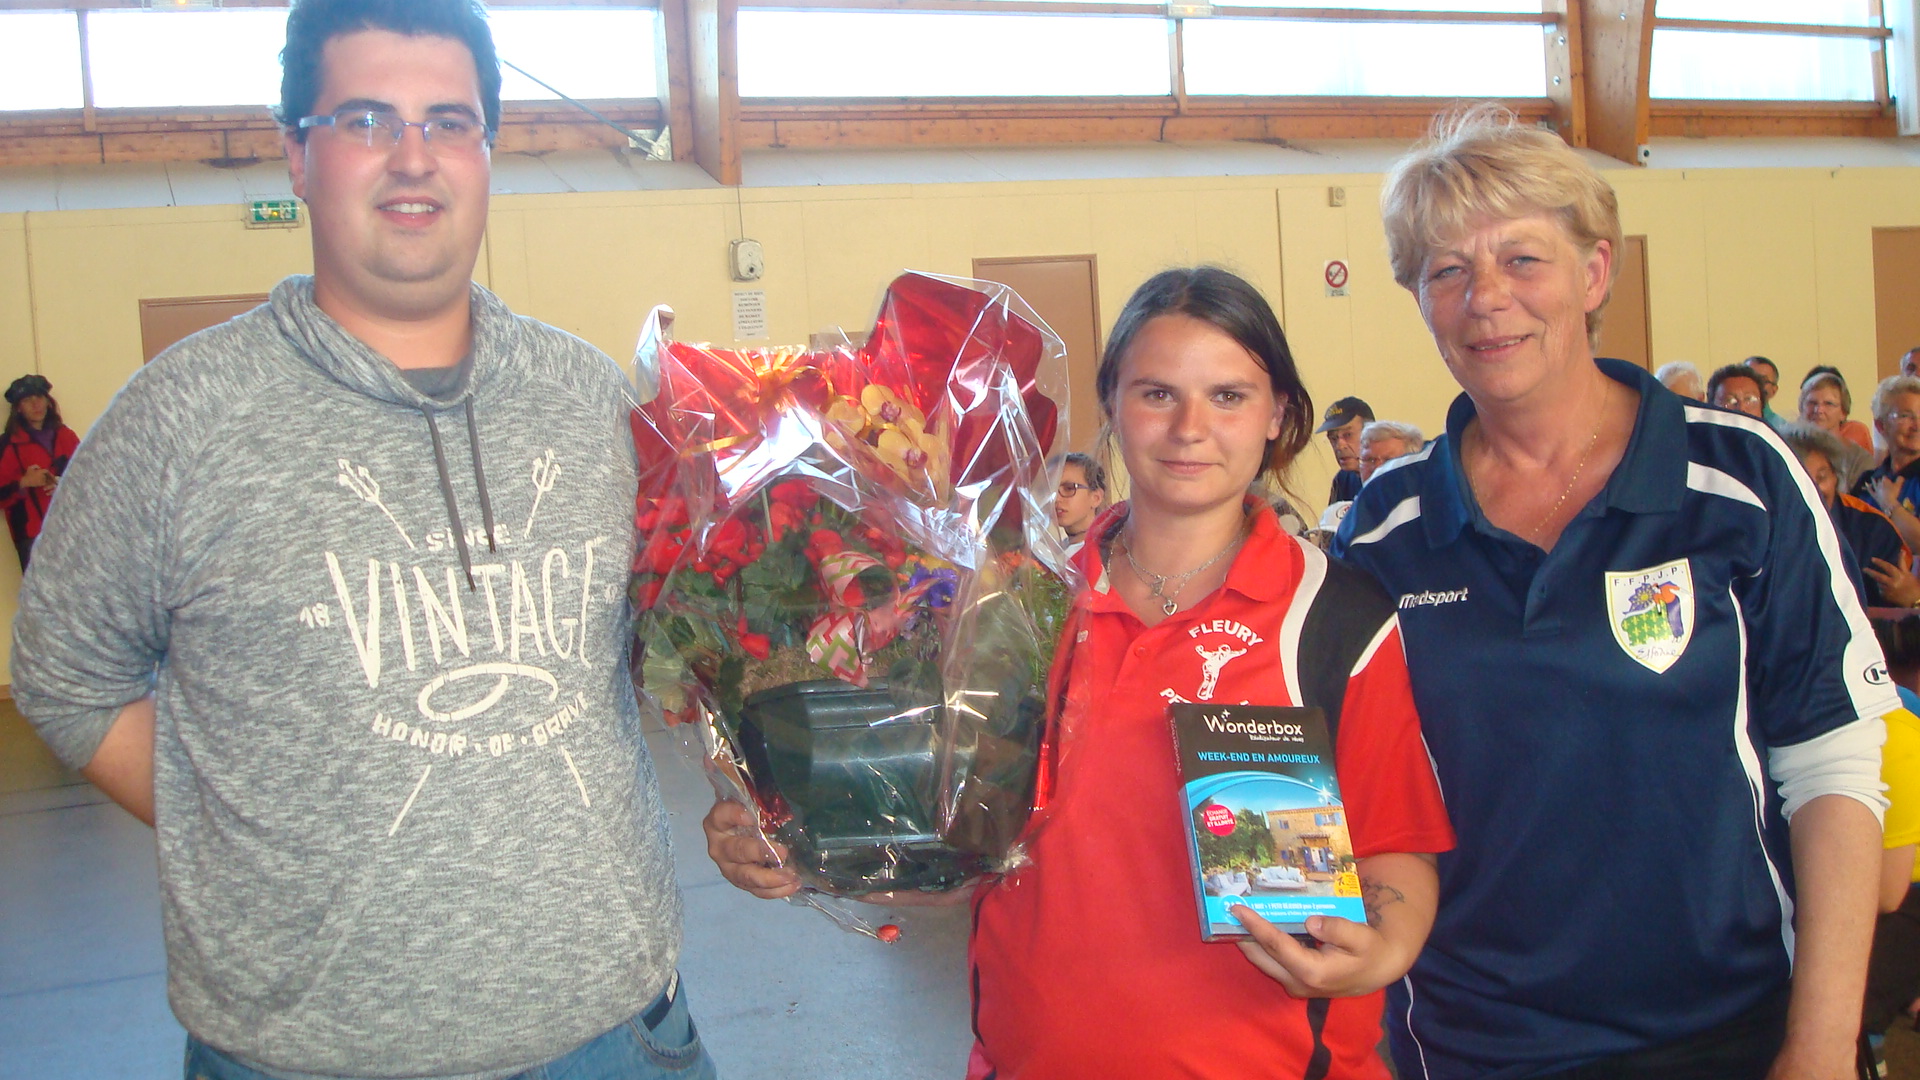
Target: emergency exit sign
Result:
[[273, 213]]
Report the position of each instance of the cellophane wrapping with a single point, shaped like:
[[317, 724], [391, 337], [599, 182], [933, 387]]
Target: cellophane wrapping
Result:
[[846, 585]]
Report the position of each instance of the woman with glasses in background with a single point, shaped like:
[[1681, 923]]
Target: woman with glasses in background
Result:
[[1825, 403], [1081, 497]]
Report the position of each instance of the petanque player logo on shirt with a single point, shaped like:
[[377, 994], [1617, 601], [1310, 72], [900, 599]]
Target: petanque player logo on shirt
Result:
[[1651, 612]]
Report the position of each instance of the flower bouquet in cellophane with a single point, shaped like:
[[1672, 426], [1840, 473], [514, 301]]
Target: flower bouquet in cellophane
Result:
[[846, 585]]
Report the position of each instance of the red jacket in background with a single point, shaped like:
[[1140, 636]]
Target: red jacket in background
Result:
[[26, 508]]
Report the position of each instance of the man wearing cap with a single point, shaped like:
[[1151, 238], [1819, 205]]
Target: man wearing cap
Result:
[[1342, 423], [336, 600], [32, 460]]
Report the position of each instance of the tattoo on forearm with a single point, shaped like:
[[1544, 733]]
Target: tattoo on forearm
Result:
[[1378, 896]]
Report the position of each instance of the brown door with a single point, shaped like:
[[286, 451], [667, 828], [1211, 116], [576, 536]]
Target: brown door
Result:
[[1062, 290], [165, 321], [1896, 295], [1624, 333]]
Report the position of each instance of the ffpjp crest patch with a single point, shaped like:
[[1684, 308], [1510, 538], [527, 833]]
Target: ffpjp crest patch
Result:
[[1651, 612]]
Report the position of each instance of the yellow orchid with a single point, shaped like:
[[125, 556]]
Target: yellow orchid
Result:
[[888, 409], [898, 433], [902, 440]]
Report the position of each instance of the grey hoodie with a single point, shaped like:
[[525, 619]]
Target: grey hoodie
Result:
[[407, 825]]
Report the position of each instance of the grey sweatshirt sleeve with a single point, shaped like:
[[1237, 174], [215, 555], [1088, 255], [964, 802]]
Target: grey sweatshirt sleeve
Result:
[[93, 623]]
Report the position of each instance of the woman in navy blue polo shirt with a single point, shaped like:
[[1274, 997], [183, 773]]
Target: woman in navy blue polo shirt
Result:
[[1650, 690]]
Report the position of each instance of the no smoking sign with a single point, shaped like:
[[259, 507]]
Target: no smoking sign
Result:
[[1336, 277]]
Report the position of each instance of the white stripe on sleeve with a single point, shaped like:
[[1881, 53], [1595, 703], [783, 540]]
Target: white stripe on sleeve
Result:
[[1862, 653], [1844, 761]]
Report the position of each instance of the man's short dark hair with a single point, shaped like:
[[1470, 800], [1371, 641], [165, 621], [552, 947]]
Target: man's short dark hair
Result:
[[313, 23], [1731, 371]]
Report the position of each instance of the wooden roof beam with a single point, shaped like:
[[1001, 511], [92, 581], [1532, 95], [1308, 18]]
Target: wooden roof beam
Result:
[[1616, 43], [713, 35]]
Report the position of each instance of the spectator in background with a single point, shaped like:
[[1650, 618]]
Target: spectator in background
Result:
[[1825, 389], [1082, 495], [38, 447], [1894, 484], [1885, 576], [1824, 404], [1736, 387], [1769, 375], [1342, 423], [1910, 363], [1682, 378], [1384, 440]]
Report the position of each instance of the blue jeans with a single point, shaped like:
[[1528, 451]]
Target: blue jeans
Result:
[[669, 1050]]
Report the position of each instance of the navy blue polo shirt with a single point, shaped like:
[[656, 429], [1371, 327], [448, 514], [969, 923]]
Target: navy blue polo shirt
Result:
[[1600, 718]]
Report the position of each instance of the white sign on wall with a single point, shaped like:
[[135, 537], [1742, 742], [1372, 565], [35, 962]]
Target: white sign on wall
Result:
[[750, 315]]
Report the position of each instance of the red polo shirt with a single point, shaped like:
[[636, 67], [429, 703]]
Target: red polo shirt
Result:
[[1087, 962]]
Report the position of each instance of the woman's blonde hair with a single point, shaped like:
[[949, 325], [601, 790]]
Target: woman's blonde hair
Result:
[[1481, 162]]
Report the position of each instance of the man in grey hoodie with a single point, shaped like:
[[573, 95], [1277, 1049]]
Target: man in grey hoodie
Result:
[[335, 597]]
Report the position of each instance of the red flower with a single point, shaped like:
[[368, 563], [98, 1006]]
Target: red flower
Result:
[[783, 519], [824, 542], [648, 595], [661, 553], [758, 646], [731, 536], [793, 493]]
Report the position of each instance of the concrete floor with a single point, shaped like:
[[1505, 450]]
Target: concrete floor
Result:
[[778, 990]]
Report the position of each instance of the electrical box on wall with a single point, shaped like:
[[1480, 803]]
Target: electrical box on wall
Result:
[[746, 260]]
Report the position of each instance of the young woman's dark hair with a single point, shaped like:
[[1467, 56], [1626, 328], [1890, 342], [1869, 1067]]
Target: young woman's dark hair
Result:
[[313, 23], [1226, 302], [1096, 475]]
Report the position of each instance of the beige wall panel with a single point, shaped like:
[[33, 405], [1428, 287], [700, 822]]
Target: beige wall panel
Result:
[[1856, 203], [91, 269], [1396, 367], [505, 259], [16, 359], [1671, 213], [1319, 327], [1002, 225], [16, 306], [1754, 230], [853, 249], [595, 270], [1239, 228], [1138, 235]]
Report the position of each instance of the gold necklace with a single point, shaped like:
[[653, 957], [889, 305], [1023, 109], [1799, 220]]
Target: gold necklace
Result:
[[1600, 423], [1579, 467]]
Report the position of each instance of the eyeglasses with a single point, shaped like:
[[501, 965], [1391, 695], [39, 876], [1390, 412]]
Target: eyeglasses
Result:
[[1068, 489], [446, 133], [1902, 417], [1740, 399]]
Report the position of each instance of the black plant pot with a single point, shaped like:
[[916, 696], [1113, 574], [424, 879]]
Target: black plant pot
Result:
[[856, 771]]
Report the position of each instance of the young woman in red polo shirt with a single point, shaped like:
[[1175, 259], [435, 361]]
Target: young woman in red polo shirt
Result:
[[1088, 961]]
